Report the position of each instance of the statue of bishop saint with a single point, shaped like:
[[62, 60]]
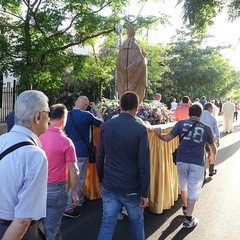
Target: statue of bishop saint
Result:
[[131, 67]]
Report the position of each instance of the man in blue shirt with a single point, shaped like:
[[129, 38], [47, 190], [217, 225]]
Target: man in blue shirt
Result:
[[123, 166], [208, 119], [80, 120], [203, 101], [190, 158]]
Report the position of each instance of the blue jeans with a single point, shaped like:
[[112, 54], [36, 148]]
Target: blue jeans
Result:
[[82, 166], [56, 204], [112, 204]]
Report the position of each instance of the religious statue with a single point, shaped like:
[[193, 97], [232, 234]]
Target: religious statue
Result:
[[131, 67]]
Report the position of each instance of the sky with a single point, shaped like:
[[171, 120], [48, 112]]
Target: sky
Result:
[[224, 32]]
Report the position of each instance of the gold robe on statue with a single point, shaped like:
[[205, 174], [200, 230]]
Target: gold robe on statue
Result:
[[131, 69]]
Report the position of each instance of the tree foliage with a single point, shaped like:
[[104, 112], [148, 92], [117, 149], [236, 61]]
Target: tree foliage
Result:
[[199, 70], [199, 14], [37, 37], [38, 40], [156, 59]]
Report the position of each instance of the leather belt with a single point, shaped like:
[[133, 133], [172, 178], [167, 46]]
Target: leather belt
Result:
[[57, 183], [8, 222]]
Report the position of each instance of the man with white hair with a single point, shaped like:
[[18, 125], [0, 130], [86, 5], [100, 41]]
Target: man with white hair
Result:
[[157, 100], [23, 170], [208, 119]]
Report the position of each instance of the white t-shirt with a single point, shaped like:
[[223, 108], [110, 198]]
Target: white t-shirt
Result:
[[157, 103], [173, 106]]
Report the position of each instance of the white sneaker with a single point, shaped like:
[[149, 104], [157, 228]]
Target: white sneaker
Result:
[[72, 214], [190, 224], [120, 216], [124, 212]]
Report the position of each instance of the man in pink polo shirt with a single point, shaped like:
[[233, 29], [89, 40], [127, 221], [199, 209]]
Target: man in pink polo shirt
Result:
[[62, 158], [182, 111]]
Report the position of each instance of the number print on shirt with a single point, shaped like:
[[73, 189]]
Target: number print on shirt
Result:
[[197, 135]]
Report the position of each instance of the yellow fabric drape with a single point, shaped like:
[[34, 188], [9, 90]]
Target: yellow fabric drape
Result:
[[163, 190], [91, 187]]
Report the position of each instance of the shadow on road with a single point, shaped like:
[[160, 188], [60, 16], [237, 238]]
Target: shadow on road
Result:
[[207, 180], [154, 221], [224, 153], [87, 226], [181, 234], [175, 223], [236, 128]]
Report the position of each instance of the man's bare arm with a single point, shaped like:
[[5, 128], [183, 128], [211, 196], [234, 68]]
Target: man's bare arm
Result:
[[165, 137], [74, 178], [212, 153], [17, 229], [94, 107]]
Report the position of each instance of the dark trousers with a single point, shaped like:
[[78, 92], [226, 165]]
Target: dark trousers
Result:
[[211, 166], [235, 115], [34, 231]]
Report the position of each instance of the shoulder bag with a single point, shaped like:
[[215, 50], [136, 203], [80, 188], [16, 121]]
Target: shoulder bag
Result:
[[14, 147], [91, 149], [174, 154]]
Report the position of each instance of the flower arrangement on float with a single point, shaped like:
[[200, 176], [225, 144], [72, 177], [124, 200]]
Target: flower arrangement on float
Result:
[[147, 112]]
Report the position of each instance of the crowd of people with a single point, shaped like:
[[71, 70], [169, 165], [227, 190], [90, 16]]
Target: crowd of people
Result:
[[38, 158], [197, 129], [44, 159], [227, 108]]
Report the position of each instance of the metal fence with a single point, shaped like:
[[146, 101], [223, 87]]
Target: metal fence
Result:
[[7, 100]]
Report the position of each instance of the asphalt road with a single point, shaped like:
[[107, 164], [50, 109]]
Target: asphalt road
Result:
[[218, 209]]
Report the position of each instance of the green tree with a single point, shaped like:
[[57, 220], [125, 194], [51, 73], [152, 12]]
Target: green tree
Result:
[[199, 70], [156, 55], [97, 77], [199, 14], [37, 37]]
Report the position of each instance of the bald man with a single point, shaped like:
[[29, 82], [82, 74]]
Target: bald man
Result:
[[79, 121]]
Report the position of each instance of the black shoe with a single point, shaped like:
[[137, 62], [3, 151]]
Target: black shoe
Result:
[[82, 202], [184, 210], [73, 214], [204, 181], [213, 173]]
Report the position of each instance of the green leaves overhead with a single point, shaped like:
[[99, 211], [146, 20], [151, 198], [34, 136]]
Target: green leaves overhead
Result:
[[39, 37], [199, 70], [199, 14], [234, 10], [61, 46]]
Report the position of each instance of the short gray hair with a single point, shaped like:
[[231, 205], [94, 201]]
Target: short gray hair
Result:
[[28, 104]]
